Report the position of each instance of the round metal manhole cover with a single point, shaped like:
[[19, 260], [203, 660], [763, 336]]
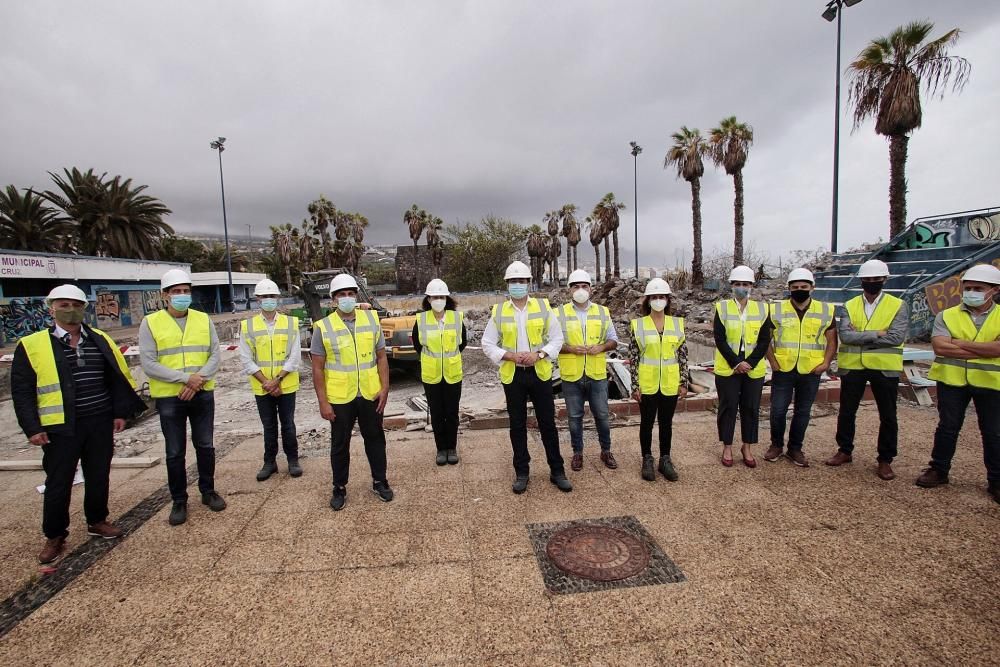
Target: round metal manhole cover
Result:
[[599, 553]]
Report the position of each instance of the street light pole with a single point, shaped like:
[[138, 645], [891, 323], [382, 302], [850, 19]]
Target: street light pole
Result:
[[636, 149], [217, 145]]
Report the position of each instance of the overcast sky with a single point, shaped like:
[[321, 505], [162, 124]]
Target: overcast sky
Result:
[[468, 108]]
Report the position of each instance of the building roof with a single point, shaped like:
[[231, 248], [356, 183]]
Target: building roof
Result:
[[16, 264], [209, 278]]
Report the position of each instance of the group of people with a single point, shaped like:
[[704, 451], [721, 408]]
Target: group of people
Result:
[[72, 388]]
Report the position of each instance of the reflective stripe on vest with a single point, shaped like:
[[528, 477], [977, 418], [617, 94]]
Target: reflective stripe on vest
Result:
[[857, 357], [350, 359], [984, 372], [440, 357], [800, 344], [186, 351], [270, 351], [659, 370], [738, 328], [537, 325], [572, 367]]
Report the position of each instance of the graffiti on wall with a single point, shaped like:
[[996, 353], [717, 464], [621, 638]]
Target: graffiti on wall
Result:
[[108, 310], [948, 292], [948, 232], [152, 300], [930, 235], [985, 229], [23, 316]]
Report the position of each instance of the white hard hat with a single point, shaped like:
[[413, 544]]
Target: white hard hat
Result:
[[874, 268], [66, 292], [657, 286], [517, 270], [343, 281], [579, 276], [174, 277], [437, 287], [801, 274], [983, 273], [742, 274], [266, 287]]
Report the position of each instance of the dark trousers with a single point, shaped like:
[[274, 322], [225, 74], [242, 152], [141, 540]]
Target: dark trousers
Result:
[[656, 407], [738, 393], [92, 446], [369, 421], [273, 409], [852, 390], [442, 401], [784, 388], [174, 417], [527, 385], [952, 402]]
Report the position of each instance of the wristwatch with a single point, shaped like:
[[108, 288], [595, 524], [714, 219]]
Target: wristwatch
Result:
[[542, 354]]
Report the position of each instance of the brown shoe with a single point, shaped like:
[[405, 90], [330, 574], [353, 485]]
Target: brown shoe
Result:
[[609, 460], [577, 462], [105, 530], [885, 472], [53, 549], [839, 459], [798, 458], [931, 477], [772, 454]]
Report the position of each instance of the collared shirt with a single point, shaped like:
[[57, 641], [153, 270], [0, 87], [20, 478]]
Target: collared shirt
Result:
[[941, 329], [581, 314], [491, 336], [292, 362], [870, 307], [89, 371], [317, 348], [152, 367]]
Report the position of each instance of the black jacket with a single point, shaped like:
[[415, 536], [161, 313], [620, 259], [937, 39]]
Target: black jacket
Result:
[[23, 383]]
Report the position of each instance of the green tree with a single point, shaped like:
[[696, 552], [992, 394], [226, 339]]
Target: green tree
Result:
[[26, 223], [479, 252], [571, 230], [323, 214], [729, 144], [686, 155], [415, 219], [175, 248], [606, 214], [885, 84]]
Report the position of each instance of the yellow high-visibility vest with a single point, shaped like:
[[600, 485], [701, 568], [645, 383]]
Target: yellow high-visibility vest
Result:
[[351, 365], [48, 392], [537, 324], [440, 357], [745, 328], [800, 344], [659, 370], [572, 367], [855, 357], [270, 350], [186, 351], [983, 373]]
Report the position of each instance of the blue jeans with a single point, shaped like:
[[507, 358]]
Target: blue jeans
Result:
[[174, 416], [785, 386], [595, 392], [272, 409]]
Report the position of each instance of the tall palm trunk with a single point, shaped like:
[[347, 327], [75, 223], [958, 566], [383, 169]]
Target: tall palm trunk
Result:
[[288, 278], [897, 183], [697, 277], [607, 259], [416, 267], [597, 255], [555, 268], [738, 221], [614, 239]]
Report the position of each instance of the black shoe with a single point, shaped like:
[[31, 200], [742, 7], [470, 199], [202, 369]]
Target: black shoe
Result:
[[648, 469], [268, 469], [382, 490], [520, 484], [667, 468], [442, 457], [214, 501], [994, 491], [452, 456], [339, 498], [294, 468], [178, 513], [561, 483]]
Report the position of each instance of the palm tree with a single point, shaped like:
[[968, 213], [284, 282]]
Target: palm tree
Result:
[[686, 155], [26, 223], [323, 213], [885, 84], [536, 253], [728, 147], [551, 222], [415, 219], [595, 240], [282, 238], [435, 246], [606, 213], [571, 230], [306, 247]]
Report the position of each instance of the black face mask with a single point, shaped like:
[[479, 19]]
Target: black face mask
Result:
[[872, 288], [800, 295]]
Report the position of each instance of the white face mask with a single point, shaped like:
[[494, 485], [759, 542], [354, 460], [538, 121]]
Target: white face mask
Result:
[[658, 304], [581, 296], [437, 305]]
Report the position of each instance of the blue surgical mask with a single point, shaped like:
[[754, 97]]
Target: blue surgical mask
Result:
[[268, 304], [346, 304], [741, 292], [180, 302], [517, 290], [973, 299]]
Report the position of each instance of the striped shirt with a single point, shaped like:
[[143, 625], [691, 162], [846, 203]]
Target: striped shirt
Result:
[[89, 368]]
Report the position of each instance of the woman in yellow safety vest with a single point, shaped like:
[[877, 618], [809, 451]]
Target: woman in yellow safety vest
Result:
[[741, 342], [658, 357], [439, 338]]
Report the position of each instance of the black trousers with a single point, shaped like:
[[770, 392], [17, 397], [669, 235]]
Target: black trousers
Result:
[[652, 408], [443, 400], [273, 409], [369, 421], [92, 446], [527, 385], [738, 393], [852, 390], [952, 403]]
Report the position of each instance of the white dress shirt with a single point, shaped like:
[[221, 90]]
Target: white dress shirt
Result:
[[292, 361], [870, 307], [491, 336]]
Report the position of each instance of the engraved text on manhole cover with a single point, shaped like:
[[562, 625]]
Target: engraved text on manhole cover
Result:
[[599, 553]]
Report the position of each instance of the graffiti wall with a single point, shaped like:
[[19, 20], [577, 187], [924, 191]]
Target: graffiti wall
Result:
[[926, 304], [23, 316], [948, 232]]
